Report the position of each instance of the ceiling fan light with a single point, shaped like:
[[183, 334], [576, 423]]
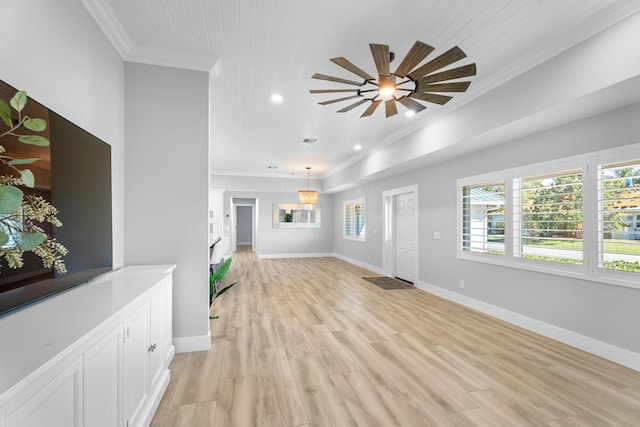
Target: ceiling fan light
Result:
[[386, 86], [387, 91]]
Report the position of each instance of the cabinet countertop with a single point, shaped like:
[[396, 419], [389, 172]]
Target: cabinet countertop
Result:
[[33, 337]]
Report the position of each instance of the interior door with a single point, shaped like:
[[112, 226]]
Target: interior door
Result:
[[405, 241], [244, 225]]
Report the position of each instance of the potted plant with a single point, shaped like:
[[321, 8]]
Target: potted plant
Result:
[[215, 277]]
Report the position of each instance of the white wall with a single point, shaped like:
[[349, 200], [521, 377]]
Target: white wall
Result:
[[277, 242], [57, 53], [167, 191]]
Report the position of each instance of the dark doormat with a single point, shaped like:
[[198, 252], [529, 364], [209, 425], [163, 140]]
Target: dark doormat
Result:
[[388, 283]]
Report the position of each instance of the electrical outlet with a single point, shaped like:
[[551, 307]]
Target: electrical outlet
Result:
[[461, 284]]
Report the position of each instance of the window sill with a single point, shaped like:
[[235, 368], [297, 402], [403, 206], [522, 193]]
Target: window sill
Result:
[[616, 278]]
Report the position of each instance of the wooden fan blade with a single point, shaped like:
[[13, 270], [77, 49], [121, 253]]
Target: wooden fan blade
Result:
[[411, 104], [380, 54], [331, 101], [418, 52], [344, 63], [445, 87], [449, 57], [431, 97], [454, 73], [369, 111], [352, 106], [335, 79], [390, 107], [332, 90]]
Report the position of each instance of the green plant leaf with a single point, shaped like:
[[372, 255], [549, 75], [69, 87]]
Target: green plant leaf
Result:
[[4, 238], [30, 241], [22, 161], [34, 140], [19, 100], [27, 178], [5, 113], [222, 270], [10, 199], [223, 290], [37, 125]]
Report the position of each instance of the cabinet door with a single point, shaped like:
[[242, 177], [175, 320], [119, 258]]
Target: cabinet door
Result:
[[135, 365], [102, 381], [59, 403], [156, 342], [168, 323]]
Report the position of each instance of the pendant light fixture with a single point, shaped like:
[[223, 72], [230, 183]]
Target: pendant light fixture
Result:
[[308, 197]]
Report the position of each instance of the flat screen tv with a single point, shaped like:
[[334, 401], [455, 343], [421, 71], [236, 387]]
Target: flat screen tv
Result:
[[73, 173]]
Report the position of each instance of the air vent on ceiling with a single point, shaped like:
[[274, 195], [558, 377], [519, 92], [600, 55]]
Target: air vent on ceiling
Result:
[[309, 140]]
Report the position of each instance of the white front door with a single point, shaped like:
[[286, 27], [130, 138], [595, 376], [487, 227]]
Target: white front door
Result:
[[405, 236]]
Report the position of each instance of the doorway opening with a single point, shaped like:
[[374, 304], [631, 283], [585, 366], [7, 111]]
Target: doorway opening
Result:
[[401, 218], [244, 224]]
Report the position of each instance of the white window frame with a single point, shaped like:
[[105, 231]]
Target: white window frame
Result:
[[589, 269], [362, 201], [604, 158], [551, 168], [481, 180]]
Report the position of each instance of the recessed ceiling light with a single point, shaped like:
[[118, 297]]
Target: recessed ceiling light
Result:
[[357, 147], [410, 113], [276, 98]]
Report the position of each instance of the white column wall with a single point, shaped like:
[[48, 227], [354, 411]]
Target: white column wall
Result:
[[167, 188]]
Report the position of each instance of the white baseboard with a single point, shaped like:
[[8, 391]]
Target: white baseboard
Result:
[[306, 255], [189, 344], [370, 267], [607, 351]]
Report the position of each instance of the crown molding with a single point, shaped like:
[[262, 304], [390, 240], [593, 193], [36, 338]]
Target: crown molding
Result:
[[110, 25], [172, 58]]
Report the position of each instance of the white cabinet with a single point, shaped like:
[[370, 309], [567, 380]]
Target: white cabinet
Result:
[[102, 380], [102, 364], [216, 214], [136, 365], [58, 403], [156, 347]]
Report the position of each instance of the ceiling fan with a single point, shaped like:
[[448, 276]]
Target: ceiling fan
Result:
[[415, 82]]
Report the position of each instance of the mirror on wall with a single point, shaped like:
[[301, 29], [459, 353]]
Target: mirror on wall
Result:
[[289, 215]]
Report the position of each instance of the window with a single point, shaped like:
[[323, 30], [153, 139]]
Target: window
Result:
[[483, 218], [578, 217], [618, 218], [549, 223], [355, 220]]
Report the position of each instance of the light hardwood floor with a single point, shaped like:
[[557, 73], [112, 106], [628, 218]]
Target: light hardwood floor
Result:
[[307, 342]]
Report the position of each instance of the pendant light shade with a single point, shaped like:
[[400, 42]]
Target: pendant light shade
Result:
[[308, 197]]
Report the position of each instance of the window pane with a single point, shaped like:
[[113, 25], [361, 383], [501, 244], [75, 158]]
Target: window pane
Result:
[[619, 216], [483, 216], [549, 224], [355, 219]]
